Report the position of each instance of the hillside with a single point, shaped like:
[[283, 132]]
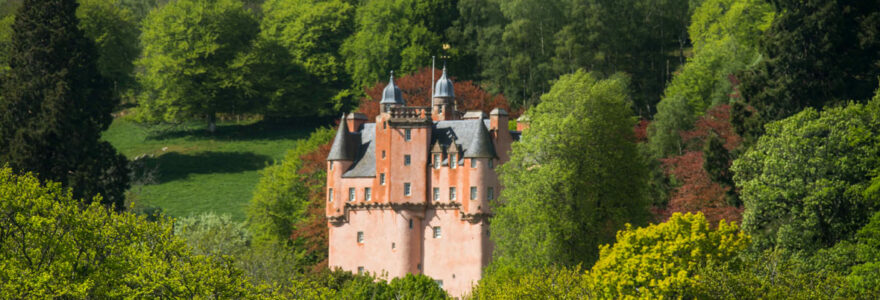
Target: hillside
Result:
[[183, 169]]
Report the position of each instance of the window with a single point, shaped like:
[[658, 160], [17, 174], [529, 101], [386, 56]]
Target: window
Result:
[[360, 270], [436, 193], [381, 178], [407, 134], [393, 245], [330, 195], [439, 283], [437, 160], [473, 193], [351, 194], [410, 224], [491, 163], [490, 193], [331, 165], [407, 160], [360, 237], [473, 162], [383, 154], [407, 189], [368, 194], [451, 193], [437, 233], [453, 160]]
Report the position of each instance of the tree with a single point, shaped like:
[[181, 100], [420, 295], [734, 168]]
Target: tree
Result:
[[659, 261], [313, 32], [416, 287], [285, 199], [5, 41], [574, 178], [802, 183], [55, 105], [395, 35], [115, 32], [547, 283], [55, 246], [195, 60], [816, 53], [416, 89]]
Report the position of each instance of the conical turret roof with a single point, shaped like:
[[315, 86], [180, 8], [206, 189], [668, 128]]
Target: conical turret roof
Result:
[[443, 88], [392, 94], [343, 147], [481, 146]]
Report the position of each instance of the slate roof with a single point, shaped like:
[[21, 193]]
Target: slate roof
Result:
[[444, 88], [465, 133], [344, 144], [391, 94]]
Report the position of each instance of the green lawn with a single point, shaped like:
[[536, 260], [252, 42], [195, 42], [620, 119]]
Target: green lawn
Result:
[[198, 171]]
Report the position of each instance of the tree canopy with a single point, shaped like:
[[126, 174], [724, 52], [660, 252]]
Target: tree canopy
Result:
[[573, 179]]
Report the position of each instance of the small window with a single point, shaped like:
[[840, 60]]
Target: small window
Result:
[[473, 162], [451, 193], [407, 189], [491, 163], [473, 193], [351, 195], [383, 154], [381, 178], [330, 195], [407, 134], [490, 193], [368, 194], [407, 160], [331, 166], [436, 194], [385, 124], [437, 232], [438, 160], [393, 245], [360, 270], [453, 160], [410, 223], [360, 237], [439, 283]]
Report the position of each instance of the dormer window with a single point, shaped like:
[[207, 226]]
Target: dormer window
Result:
[[438, 160], [453, 160]]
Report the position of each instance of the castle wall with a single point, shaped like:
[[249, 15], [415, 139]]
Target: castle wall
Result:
[[458, 256]]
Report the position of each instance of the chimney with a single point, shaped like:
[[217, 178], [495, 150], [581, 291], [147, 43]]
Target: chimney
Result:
[[498, 119], [355, 121], [522, 123]]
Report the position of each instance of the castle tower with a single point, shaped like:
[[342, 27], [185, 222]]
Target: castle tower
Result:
[[443, 102], [339, 160]]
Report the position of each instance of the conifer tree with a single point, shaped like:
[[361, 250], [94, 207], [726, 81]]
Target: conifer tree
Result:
[[55, 104]]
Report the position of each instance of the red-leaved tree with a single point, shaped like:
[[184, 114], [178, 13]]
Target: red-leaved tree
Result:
[[697, 191], [416, 89], [314, 228]]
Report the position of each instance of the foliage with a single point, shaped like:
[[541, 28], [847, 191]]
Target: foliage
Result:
[[817, 53], [659, 261], [725, 35], [115, 32], [5, 41], [55, 104], [540, 283], [415, 287], [416, 89], [313, 32], [211, 234], [802, 183], [700, 190], [53, 245], [395, 35], [574, 178], [282, 199], [195, 60]]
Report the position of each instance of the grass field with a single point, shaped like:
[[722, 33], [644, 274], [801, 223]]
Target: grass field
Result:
[[185, 170]]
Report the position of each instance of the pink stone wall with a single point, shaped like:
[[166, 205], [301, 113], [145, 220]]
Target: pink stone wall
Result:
[[459, 255]]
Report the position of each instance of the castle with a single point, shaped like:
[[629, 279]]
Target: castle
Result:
[[410, 193]]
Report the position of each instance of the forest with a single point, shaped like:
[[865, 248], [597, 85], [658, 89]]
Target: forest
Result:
[[689, 149]]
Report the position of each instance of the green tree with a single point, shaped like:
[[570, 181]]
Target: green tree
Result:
[[5, 41], [540, 283], [574, 178], [659, 261], [395, 35], [55, 104], [195, 61], [416, 287], [115, 32], [281, 198], [55, 246], [817, 53], [802, 183], [313, 32]]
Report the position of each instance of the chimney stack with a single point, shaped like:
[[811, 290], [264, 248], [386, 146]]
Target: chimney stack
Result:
[[355, 121]]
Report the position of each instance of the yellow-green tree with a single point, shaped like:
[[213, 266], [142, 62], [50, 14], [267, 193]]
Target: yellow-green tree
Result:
[[660, 260]]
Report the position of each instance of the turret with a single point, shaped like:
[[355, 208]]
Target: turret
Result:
[[443, 102], [340, 159], [481, 146], [391, 96]]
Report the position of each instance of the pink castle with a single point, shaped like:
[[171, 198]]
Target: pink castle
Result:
[[410, 193]]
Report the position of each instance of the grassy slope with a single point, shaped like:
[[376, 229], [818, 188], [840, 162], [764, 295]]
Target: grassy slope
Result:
[[200, 172]]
